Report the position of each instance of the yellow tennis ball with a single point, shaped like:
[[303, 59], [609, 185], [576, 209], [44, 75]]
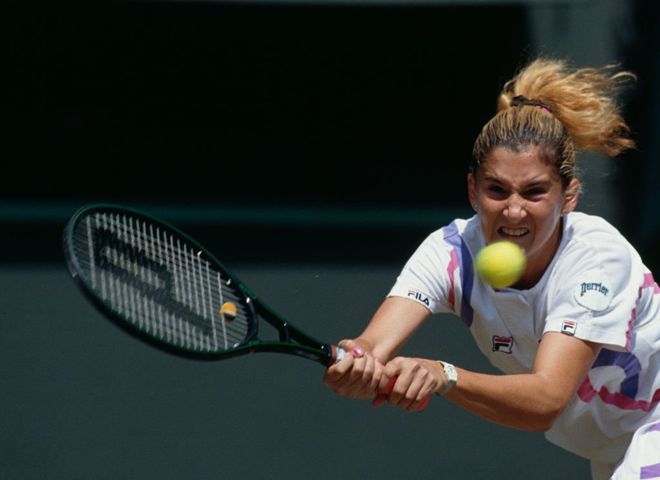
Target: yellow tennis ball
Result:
[[500, 264], [228, 311]]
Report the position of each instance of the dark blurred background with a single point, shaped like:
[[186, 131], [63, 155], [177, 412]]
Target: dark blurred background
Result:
[[311, 145], [305, 114]]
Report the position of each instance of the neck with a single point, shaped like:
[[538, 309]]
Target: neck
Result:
[[539, 263]]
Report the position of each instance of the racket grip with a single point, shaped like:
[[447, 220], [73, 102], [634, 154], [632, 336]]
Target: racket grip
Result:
[[338, 354]]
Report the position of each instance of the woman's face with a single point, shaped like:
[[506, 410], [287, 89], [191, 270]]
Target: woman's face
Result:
[[519, 197]]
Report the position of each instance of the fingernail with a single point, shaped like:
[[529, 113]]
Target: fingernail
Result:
[[357, 352]]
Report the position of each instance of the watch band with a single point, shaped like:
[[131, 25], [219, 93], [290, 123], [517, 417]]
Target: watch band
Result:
[[452, 376]]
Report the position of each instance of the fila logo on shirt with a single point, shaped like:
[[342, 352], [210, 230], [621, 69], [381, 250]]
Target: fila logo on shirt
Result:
[[502, 344], [419, 297]]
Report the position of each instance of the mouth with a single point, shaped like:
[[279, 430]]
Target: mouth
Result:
[[513, 232]]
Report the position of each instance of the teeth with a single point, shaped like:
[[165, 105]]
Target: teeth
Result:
[[515, 232]]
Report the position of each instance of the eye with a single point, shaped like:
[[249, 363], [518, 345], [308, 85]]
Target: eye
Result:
[[535, 192], [496, 190]]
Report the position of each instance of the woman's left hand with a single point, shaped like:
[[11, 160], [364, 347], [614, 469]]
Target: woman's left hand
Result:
[[415, 379]]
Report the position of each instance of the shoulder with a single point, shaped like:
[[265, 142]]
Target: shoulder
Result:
[[450, 247], [578, 223], [596, 262], [594, 284], [461, 233], [431, 276], [591, 235]]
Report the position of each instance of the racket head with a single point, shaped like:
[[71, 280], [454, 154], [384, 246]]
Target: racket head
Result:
[[159, 284]]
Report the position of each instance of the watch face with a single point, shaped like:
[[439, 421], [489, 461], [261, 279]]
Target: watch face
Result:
[[452, 376], [450, 371]]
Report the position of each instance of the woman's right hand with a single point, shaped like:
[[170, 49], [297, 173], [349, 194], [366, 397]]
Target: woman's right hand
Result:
[[357, 375]]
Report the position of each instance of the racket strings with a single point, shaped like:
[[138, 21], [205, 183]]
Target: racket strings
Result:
[[195, 285], [161, 285], [192, 300]]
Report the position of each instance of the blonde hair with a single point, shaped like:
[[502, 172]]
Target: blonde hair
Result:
[[560, 110]]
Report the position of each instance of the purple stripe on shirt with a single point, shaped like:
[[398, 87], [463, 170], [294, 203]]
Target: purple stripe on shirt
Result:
[[653, 428], [650, 471], [452, 237], [630, 365]]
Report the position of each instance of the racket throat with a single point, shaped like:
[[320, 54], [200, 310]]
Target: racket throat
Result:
[[305, 346], [321, 353]]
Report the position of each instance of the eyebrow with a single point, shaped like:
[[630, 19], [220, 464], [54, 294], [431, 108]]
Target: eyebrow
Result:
[[542, 182]]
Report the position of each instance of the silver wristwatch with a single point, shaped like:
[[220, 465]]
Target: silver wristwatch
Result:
[[452, 376]]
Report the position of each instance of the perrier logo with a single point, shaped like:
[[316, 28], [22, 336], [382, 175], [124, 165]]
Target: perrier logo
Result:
[[593, 286]]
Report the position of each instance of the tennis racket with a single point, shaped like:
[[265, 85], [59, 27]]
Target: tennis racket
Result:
[[162, 286]]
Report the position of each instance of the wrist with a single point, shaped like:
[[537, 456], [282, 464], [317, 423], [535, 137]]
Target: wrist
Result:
[[364, 344], [375, 349], [450, 374]]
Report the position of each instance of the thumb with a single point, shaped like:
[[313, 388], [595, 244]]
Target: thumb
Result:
[[352, 347]]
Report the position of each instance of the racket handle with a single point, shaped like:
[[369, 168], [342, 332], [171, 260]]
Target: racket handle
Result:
[[382, 397], [338, 354]]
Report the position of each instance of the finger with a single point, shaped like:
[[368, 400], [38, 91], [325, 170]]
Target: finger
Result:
[[423, 398], [352, 347], [382, 397], [361, 372], [404, 392], [366, 386], [413, 385], [338, 372], [379, 370], [412, 397], [369, 376], [423, 384], [355, 379], [362, 367], [372, 390], [392, 369], [405, 377]]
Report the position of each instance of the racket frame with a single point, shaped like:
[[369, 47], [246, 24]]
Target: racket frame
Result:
[[291, 339]]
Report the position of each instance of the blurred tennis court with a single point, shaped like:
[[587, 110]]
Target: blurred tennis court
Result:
[[83, 400]]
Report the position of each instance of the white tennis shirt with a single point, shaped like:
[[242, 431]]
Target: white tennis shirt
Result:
[[596, 288]]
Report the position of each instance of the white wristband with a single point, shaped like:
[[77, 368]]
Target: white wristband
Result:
[[451, 374]]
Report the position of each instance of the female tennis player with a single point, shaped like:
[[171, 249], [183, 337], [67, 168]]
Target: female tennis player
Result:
[[577, 338]]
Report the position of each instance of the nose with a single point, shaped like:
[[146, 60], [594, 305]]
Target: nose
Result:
[[515, 208]]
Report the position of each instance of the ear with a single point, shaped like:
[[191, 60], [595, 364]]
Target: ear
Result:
[[571, 196], [472, 190]]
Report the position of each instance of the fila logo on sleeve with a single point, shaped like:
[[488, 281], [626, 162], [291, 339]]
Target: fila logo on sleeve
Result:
[[419, 297], [568, 327], [502, 344]]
